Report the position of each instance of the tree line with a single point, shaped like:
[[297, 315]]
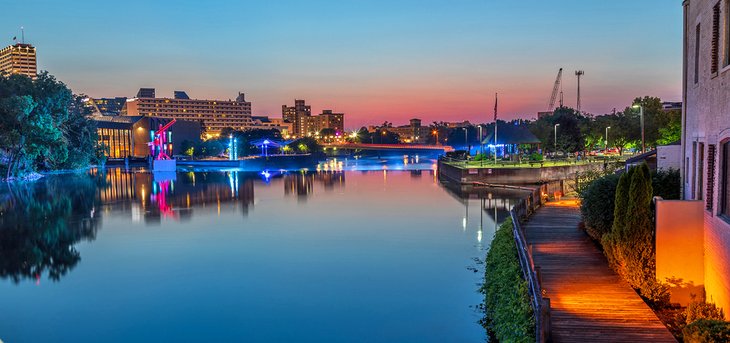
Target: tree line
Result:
[[43, 127]]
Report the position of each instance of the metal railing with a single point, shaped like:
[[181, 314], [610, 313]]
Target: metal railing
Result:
[[540, 305]]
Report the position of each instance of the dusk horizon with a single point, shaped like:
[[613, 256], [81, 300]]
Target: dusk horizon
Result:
[[373, 61]]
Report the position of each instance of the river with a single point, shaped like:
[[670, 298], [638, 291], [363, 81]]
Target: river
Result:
[[360, 250]]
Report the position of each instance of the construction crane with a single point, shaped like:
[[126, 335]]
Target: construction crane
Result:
[[556, 87]]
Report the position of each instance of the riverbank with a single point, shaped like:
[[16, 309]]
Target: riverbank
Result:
[[513, 175], [508, 314]]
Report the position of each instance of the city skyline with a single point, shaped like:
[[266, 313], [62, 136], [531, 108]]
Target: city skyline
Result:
[[374, 61]]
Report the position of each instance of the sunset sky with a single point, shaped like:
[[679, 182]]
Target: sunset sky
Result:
[[372, 60]]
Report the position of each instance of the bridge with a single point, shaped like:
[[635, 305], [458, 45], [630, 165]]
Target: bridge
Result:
[[391, 147]]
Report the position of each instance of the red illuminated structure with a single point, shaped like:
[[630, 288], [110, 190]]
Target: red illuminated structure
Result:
[[159, 142]]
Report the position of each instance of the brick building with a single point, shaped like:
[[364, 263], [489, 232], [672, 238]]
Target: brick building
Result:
[[706, 134]]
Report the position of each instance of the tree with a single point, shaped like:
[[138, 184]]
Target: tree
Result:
[[43, 126]]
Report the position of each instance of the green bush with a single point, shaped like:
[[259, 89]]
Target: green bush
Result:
[[597, 203], [667, 184], [480, 157], [629, 246], [536, 156], [707, 331], [611, 240], [506, 298]]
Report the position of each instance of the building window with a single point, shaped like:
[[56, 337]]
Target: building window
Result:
[[715, 48], [710, 177], [701, 171], [697, 53], [693, 190], [726, 60], [725, 181]]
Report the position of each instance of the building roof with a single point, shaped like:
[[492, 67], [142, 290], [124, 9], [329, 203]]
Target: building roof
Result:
[[511, 134]]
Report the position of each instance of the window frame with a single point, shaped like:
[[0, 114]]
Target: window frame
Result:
[[723, 210]]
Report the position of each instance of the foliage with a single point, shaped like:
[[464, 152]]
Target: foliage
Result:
[[506, 299], [536, 157], [43, 126], [41, 223], [629, 246], [580, 131], [667, 184], [698, 309], [597, 205], [481, 157], [707, 331]]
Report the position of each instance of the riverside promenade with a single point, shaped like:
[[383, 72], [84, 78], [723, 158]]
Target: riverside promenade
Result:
[[588, 301]]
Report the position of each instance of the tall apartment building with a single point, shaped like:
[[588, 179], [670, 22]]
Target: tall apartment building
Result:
[[297, 115], [706, 135], [215, 115], [19, 59], [329, 120]]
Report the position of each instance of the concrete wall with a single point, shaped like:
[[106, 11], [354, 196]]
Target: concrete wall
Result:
[[680, 247], [706, 120], [513, 176], [669, 156]]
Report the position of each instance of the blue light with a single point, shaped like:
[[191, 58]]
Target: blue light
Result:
[[266, 175]]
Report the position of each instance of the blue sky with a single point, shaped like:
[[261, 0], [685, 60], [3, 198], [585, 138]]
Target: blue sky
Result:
[[373, 60]]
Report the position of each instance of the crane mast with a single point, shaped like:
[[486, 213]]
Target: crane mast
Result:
[[556, 87]]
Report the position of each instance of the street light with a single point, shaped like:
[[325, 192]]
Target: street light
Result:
[[436, 133], [481, 146], [607, 127], [641, 117], [466, 140], [556, 138]]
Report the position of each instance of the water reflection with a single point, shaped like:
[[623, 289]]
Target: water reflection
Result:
[[41, 221]]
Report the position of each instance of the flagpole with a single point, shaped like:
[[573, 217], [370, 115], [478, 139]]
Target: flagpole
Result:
[[495, 129]]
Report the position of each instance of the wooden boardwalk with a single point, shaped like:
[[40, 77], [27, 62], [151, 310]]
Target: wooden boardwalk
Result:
[[588, 301]]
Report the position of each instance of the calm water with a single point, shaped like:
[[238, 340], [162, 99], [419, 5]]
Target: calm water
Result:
[[338, 255]]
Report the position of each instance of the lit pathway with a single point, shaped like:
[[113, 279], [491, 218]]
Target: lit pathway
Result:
[[589, 302]]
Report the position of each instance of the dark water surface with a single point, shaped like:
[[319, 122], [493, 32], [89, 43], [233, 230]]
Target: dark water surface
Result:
[[338, 255]]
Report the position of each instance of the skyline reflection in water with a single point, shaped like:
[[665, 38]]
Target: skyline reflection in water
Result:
[[321, 256]]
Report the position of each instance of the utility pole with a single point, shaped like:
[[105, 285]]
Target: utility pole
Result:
[[579, 73]]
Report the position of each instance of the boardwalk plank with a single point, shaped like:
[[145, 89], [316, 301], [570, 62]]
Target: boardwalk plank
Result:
[[589, 302]]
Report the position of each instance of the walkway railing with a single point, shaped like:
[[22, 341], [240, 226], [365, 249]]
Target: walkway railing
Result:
[[540, 305]]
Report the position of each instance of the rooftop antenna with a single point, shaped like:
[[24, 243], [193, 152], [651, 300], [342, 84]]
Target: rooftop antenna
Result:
[[22, 35]]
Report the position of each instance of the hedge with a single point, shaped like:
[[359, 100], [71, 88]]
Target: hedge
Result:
[[597, 203], [707, 331], [508, 314]]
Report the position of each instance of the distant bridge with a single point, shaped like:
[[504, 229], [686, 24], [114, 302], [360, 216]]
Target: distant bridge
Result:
[[390, 147]]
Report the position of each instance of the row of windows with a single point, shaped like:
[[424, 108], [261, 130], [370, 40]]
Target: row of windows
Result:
[[716, 53], [703, 176]]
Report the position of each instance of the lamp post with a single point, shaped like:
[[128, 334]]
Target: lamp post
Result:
[[641, 117], [481, 146], [555, 128], [466, 140], [607, 127], [436, 133]]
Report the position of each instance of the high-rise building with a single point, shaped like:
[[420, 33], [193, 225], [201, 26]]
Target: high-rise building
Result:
[[20, 59], [215, 115], [334, 121], [297, 115]]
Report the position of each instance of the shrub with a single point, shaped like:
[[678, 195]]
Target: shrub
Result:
[[597, 204], [506, 298], [667, 184], [698, 309], [536, 156], [707, 331], [611, 240]]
